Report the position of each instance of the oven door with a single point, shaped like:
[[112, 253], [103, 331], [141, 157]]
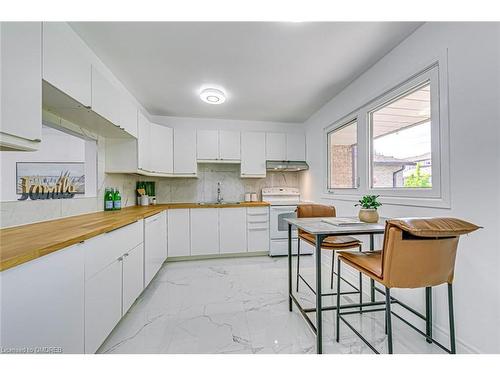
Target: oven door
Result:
[[278, 225]]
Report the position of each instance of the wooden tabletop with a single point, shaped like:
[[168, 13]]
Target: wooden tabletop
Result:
[[23, 243]]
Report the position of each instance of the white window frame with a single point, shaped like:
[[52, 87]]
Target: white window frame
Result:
[[439, 194], [339, 125]]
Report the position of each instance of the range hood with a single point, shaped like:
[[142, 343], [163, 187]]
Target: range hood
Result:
[[285, 165]]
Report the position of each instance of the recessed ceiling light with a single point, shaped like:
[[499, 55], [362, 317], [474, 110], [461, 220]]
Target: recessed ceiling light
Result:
[[212, 96]]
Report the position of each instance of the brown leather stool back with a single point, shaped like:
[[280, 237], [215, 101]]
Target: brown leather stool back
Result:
[[315, 210], [421, 252]]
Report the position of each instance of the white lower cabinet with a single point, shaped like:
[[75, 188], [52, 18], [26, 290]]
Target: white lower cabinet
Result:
[[233, 230], [114, 278], [133, 276], [258, 228], [155, 245], [42, 303], [179, 241], [103, 305], [204, 231]]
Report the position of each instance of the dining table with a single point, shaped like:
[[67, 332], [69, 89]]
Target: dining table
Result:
[[321, 229]]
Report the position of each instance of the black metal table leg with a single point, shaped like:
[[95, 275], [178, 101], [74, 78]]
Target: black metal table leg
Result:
[[428, 313], [453, 348], [372, 282], [319, 328], [290, 267]]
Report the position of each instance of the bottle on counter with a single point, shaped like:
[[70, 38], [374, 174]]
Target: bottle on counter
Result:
[[117, 200], [108, 199]]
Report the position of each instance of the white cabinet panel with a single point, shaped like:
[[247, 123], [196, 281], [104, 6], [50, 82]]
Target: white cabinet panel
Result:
[[133, 276], [143, 143], [105, 97], [161, 149], [128, 115], [105, 249], [103, 305], [276, 146], [258, 239], [207, 144], [229, 145], [233, 230], [21, 81], [179, 242], [253, 154], [155, 245], [65, 64], [295, 147], [185, 151], [258, 228], [43, 302], [204, 231]]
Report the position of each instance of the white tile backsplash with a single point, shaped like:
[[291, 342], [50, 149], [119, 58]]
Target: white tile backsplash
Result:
[[201, 189]]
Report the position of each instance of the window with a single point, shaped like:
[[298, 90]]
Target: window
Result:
[[401, 142], [343, 156], [395, 146]]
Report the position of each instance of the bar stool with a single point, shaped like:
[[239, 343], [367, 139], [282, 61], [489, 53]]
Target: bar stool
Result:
[[333, 243], [417, 253]]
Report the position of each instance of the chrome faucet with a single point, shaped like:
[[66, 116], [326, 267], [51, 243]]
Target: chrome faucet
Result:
[[219, 195]]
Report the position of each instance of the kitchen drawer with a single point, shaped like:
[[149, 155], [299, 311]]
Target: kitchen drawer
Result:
[[106, 248], [258, 225], [257, 211], [258, 239]]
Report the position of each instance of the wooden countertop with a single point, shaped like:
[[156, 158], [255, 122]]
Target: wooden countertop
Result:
[[23, 243]]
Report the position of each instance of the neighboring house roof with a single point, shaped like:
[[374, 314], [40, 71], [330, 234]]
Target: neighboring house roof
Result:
[[390, 160]]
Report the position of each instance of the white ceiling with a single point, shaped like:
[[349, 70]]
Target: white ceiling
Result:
[[274, 71]]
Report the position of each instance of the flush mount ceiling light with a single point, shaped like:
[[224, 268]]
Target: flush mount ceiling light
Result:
[[212, 96]]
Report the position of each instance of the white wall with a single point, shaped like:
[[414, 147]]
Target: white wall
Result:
[[56, 147], [473, 51]]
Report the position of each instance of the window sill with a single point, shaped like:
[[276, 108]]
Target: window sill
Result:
[[395, 201]]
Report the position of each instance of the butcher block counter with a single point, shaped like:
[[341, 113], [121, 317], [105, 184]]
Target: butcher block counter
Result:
[[24, 243]]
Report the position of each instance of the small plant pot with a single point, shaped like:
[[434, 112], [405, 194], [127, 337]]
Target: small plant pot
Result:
[[368, 215]]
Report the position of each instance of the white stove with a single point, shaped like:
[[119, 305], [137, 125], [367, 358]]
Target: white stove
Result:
[[283, 201]]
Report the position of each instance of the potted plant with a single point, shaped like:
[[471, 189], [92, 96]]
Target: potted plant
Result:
[[368, 212]]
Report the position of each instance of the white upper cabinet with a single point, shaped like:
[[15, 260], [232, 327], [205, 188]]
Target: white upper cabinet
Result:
[[128, 115], [65, 63], [207, 144], [285, 146], [143, 143], [21, 85], [185, 152], [229, 145], [105, 97], [161, 149], [295, 146], [276, 146], [253, 154], [218, 145]]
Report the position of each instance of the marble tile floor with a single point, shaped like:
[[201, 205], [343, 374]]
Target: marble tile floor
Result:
[[239, 305]]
